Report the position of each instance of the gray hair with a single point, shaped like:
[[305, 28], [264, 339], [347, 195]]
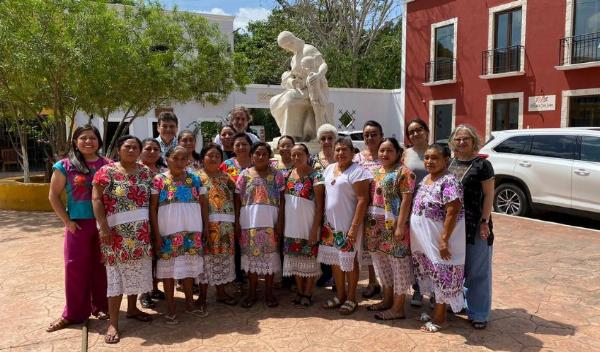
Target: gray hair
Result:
[[326, 128], [472, 133]]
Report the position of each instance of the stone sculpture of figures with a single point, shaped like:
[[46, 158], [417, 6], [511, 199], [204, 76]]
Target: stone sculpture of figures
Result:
[[304, 105]]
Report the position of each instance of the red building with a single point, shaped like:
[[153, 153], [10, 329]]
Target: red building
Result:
[[500, 64]]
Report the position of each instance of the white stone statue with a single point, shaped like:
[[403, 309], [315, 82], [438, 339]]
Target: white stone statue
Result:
[[304, 105]]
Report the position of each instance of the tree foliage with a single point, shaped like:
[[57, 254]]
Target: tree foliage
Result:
[[360, 40], [107, 59]]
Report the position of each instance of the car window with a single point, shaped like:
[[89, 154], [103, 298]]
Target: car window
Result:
[[356, 136], [590, 148], [553, 146], [514, 145]]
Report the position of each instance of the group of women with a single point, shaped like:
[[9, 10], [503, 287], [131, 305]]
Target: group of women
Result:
[[416, 216]]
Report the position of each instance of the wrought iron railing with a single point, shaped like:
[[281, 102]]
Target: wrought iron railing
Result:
[[502, 60], [439, 70], [579, 49]]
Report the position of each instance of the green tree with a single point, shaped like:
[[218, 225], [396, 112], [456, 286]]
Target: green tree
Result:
[[360, 41], [65, 56]]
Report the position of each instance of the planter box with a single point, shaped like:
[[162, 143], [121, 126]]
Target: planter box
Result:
[[16, 195]]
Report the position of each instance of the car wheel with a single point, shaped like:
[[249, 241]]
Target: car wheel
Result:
[[511, 200]]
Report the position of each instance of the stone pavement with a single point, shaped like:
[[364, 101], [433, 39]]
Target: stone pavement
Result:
[[546, 298]]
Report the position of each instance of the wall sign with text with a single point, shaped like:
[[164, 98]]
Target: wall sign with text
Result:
[[542, 103]]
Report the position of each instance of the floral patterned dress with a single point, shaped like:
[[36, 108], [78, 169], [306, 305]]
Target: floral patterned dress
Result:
[[219, 245], [340, 205], [232, 167], [180, 226], [372, 165], [391, 258], [126, 199], [300, 258], [436, 275], [258, 218]]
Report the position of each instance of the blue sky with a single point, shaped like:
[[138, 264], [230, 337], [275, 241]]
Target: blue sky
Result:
[[243, 10]]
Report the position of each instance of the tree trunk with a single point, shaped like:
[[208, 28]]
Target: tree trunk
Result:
[[24, 156]]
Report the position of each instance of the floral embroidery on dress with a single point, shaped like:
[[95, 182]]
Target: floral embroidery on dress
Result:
[[447, 277], [170, 191], [258, 242], [431, 199], [386, 191], [232, 168], [303, 187], [220, 190], [298, 247], [258, 190], [123, 193], [336, 239]]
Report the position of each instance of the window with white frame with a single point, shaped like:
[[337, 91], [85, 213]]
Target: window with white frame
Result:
[[582, 33], [506, 39], [442, 116], [442, 64]]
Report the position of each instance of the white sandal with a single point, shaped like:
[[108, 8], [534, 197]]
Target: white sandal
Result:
[[432, 327], [332, 303], [424, 317]]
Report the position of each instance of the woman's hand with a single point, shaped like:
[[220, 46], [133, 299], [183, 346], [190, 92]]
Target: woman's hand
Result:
[[72, 226], [105, 236], [444, 252], [313, 238], [484, 230], [399, 234], [352, 234]]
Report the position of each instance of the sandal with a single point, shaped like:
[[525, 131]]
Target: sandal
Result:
[[388, 315], [347, 308], [171, 319], [306, 301], [479, 325], [140, 316], [230, 301], [332, 303], [199, 312], [248, 302], [271, 302], [371, 291], [58, 324], [146, 301], [424, 317], [377, 307], [297, 299], [432, 327], [112, 338], [102, 316]]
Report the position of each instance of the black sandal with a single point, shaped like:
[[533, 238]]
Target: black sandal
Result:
[[306, 301]]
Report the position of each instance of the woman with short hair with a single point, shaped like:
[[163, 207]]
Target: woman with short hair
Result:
[[477, 177], [326, 135], [437, 237], [346, 201]]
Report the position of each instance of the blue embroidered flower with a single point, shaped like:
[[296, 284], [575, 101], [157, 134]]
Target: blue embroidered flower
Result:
[[188, 242], [166, 245], [163, 195], [183, 193]]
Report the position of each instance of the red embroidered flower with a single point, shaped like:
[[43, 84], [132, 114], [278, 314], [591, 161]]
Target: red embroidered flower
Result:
[[132, 179], [315, 251], [137, 195], [143, 175], [111, 259], [137, 253], [79, 180], [117, 241], [109, 203], [118, 176], [144, 233], [198, 240], [124, 256], [295, 247], [177, 240], [290, 185]]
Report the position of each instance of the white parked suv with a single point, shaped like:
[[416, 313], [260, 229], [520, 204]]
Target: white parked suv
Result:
[[555, 168], [357, 138]]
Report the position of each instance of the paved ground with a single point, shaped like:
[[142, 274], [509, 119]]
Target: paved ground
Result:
[[546, 298]]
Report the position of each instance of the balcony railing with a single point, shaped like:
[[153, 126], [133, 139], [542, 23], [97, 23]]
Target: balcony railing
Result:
[[502, 60], [579, 49], [439, 70]]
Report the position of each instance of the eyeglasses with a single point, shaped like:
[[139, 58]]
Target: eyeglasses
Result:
[[86, 138], [461, 140], [417, 130]]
